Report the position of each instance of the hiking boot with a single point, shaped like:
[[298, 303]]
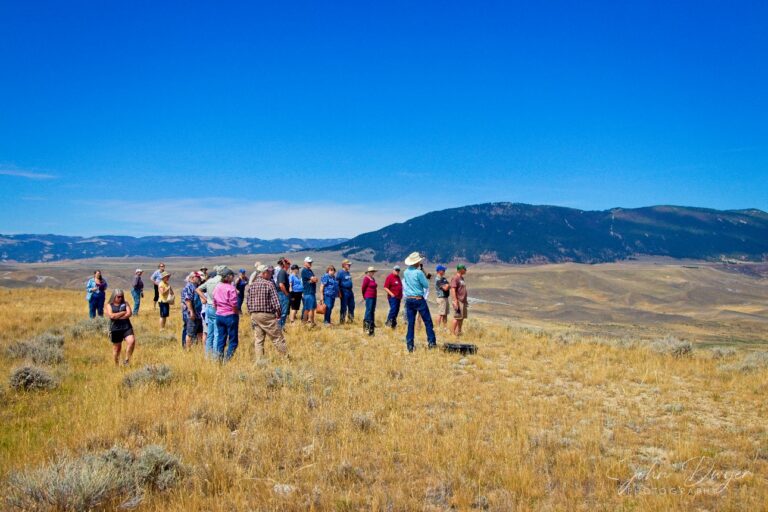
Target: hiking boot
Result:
[[371, 328]]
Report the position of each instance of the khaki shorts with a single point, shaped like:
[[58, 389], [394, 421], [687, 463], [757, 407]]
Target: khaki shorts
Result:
[[442, 306], [460, 313]]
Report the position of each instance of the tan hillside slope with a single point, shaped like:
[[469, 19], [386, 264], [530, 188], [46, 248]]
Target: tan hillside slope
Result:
[[534, 421]]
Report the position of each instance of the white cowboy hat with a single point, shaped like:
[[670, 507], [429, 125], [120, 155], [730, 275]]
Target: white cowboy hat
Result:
[[414, 259], [371, 269]]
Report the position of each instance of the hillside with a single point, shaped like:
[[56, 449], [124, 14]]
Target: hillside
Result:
[[41, 248], [522, 233], [534, 421]]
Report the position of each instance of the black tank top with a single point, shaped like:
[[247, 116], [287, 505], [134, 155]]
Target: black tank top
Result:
[[122, 324]]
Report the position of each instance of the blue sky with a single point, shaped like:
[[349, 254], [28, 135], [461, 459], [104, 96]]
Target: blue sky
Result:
[[277, 119]]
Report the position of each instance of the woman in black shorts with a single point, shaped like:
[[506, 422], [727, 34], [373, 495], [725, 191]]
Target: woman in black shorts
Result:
[[119, 313]]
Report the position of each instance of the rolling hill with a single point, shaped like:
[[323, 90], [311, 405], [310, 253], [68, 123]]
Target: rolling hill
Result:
[[522, 233], [41, 248]]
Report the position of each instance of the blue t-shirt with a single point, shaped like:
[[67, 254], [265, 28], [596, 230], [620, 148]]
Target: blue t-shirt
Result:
[[330, 285], [345, 280], [309, 287], [296, 286]]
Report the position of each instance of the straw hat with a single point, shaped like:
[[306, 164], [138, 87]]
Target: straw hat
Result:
[[414, 259], [371, 269]]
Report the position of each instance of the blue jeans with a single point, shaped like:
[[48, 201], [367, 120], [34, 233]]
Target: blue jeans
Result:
[[329, 302], [211, 342], [284, 302], [136, 301], [96, 305], [370, 310], [347, 301], [394, 309], [227, 327], [418, 306], [184, 319]]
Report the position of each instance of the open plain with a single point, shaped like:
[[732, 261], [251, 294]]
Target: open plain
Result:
[[632, 386]]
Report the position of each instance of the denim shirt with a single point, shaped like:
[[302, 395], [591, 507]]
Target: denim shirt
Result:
[[345, 280], [330, 285], [415, 283]]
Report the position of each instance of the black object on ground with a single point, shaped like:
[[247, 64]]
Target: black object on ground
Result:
[[463, 348]]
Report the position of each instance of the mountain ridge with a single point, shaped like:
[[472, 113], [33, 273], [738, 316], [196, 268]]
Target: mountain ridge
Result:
[[523, 233]]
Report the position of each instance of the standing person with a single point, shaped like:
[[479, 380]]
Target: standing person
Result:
[[283, 288], [96, 292], [415, 286], [156, 277], [205, 292], [346, 293], [309, 282], [459, 299], [394, 288], [240, 283], [137, 290], [191, 310], [297, 291], [165, 298], [265, 311], [227, 319], [329, 289], [120, 328], [442, 293], [369, 294]]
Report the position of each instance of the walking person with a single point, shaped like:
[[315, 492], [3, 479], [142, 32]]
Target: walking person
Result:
[[297, 291], [120, 328], [309, 282], [442, 294], [265, 311], [415, 287], [227, 318], [96, 292], [156, 277], [283, 288], [459, 299], [394, 289], [165, 298], [369, 295], [346, 293], [192, 311], [205, 292], [329, 290], [137, 290]]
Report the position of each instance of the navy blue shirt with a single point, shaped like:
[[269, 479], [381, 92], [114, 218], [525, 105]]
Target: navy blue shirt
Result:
[[345, 280], [309, 287]]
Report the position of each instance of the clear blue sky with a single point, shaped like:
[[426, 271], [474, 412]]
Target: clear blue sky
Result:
[[278, 119]]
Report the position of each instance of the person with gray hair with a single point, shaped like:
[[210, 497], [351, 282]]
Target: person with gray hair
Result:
[[120, 328], [265, 310]]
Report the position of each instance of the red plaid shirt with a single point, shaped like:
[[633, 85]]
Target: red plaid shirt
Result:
[[261, 297]]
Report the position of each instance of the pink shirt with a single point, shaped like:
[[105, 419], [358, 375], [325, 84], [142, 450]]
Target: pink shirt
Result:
[[225, 299]]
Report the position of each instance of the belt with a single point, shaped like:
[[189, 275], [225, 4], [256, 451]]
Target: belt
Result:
[[414, 297]]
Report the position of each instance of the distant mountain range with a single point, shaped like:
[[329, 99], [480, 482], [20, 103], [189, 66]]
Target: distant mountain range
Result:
[[40, 248], [522, 233]]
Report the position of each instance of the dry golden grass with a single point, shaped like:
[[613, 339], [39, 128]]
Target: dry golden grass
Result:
[[533, 422]]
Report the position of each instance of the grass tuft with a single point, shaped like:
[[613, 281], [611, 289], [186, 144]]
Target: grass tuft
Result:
[[751, 362], [160, 374], [672, 346]]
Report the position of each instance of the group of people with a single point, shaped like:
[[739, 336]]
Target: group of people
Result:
[[211, 302]]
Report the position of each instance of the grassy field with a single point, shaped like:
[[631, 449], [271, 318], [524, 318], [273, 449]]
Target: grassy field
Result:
[[539, 419]]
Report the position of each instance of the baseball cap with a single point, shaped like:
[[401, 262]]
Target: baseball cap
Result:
[[440, 268], [307, 260], [461, 266], [138, 270], [242, 271], [396, 267]]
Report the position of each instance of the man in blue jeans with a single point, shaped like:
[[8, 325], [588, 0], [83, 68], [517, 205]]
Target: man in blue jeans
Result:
[[415, 287], [309, 280], [346, 294], [283, 288]]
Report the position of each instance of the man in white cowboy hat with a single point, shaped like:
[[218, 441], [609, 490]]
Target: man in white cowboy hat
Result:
[[346, 293], [415, 287], [265, 310]]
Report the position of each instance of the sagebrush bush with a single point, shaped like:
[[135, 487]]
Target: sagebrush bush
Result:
[[751, 362], [92, 326], [30, 378], [42, 349], [672, 346], [159, 374], [115, 476]]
